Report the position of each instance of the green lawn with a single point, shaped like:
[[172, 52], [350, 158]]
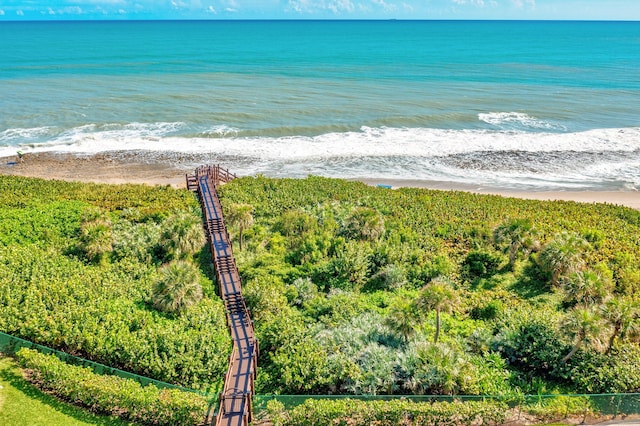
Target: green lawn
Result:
[[23, 404]]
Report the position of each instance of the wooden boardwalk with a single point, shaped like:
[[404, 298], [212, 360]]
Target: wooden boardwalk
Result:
[[235, 401]]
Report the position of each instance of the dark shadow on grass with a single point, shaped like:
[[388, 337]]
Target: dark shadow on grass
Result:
[[31, 391], [205, 263], [532, 282]]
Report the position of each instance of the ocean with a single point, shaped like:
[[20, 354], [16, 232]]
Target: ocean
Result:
[[510, 104]]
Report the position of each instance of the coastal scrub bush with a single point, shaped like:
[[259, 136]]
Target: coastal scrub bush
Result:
[[96, 237], [182, 236], [437, 369], [313, 283], [590, 372], [77, 268], [113, 395], [480, 264], [530, 343], [100, 313]]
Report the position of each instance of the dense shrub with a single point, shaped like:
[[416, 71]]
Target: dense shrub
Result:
[[532, 345], [330, 270], [352, 251], [480, 264], [113, 395], [78, 262], [353, 412], [617, 372]]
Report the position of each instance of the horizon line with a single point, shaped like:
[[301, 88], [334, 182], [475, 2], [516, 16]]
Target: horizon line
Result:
[[314, 19]]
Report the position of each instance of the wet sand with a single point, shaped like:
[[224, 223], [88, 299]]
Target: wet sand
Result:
[[133, 167]]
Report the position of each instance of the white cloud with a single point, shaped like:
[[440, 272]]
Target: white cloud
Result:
[[479, 3], [407, 7], [51, 11], [101, 2], [387, 7], [311, 6], [211, 9], [231, 10], [72, 10], [521, 4], [338, 6], [1, 12], [19, 13]]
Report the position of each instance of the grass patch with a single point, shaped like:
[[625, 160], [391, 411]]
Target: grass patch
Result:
[[21, 403]]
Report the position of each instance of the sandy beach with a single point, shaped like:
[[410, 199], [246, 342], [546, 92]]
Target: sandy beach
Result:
[[134, 167]]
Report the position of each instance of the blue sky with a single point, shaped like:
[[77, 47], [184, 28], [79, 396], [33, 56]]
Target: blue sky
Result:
[[319, 9]]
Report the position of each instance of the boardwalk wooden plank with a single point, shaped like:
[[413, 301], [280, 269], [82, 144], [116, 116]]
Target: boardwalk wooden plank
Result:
[[236, 398]]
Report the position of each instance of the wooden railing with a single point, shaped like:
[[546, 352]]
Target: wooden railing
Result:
[[236, 397]]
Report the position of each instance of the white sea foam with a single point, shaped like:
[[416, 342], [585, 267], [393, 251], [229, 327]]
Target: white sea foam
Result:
[[483, 157], [517, 121], [221, 131], [24, 134], [376, 142]]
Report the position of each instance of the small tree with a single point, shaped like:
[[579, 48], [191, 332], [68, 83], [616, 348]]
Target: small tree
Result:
[[585, 327], [177, 288], [182, 235], [440, 296], [365, 223], [515, 236], [623, 315], [240, 215], [351, 265], [563, 256], [403, 318], [585, 287]]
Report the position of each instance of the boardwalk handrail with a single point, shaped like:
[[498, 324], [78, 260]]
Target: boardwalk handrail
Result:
[[236, 397]]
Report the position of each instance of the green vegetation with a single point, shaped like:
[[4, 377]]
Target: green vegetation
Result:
[[78, 266], [353, 289], [21, 403], [358, 290], [113, 395], [177, 288], [387, 413]]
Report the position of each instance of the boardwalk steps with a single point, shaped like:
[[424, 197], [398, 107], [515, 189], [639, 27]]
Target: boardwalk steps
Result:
[[236, 398]]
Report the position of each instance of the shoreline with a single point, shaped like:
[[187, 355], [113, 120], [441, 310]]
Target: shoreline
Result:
[[623, 198], [120, 167]]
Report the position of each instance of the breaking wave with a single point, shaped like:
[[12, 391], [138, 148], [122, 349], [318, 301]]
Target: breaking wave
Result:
[[599, 158]]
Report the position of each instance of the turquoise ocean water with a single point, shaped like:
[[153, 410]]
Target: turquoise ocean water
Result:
[[522, 105]]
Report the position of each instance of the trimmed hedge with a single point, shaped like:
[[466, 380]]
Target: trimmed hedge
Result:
[[352, 412], [113, 395]]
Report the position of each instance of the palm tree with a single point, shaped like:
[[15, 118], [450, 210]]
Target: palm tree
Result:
[[623, 315], [182, 235], [440, 296], [403, 318], [365, 223], [177, 288], [585, 327], [440, 369], [515, 236], [586, 287], [563, 256], [240, 215]]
